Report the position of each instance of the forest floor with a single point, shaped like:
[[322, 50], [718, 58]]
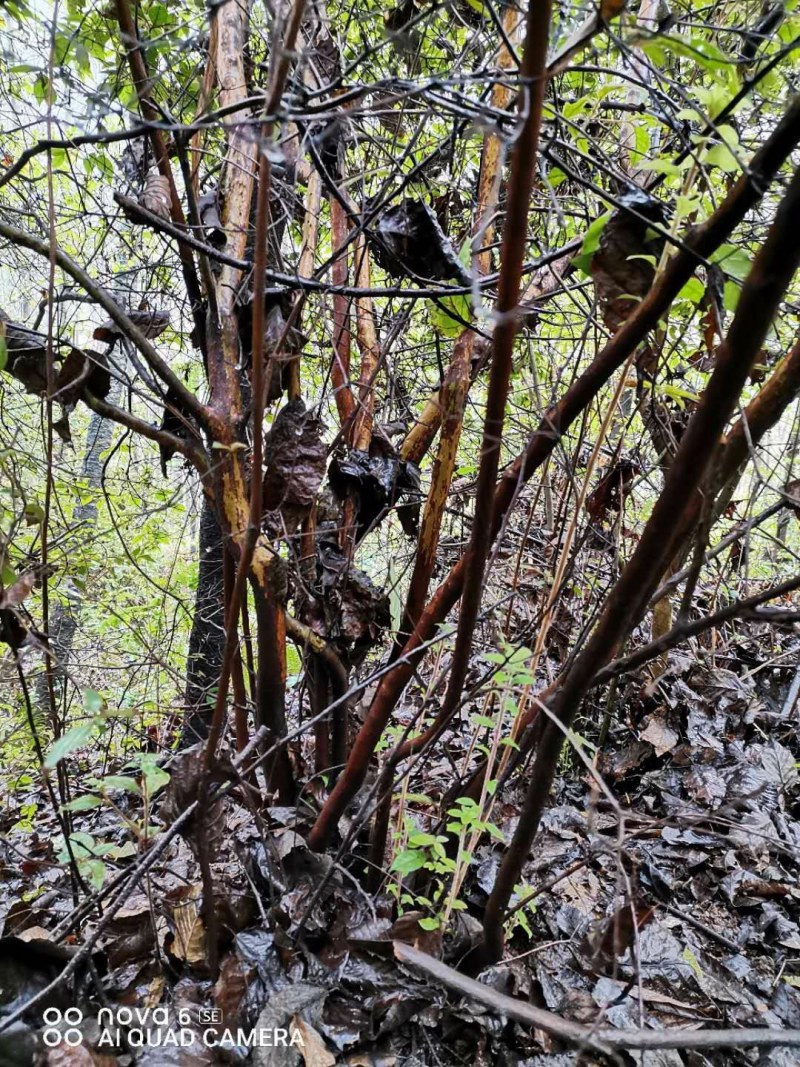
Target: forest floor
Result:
[[695, 831]]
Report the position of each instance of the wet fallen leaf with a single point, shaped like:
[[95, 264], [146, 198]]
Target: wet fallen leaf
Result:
[[78, 1056], [189, 941], [661, 736], [312, 1047]]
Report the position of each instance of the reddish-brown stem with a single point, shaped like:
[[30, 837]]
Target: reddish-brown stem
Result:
[[319, 694], [763, 412], [237, 671], [340, 364], [271, 615], [454, 395]]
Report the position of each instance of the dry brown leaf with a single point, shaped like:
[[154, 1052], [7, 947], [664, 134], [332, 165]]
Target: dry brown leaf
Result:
[[35, 933], [315, 1053], [190, 941], [156, 195], [661, 736], [364, 1059], [792, 491], [295, 457], [231, 987], [155, 991], [16, 593]]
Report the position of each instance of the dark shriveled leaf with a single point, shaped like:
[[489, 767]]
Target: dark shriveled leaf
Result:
[[409, 242], [295, 457], [152, 323], [378, 480], [623, 267]]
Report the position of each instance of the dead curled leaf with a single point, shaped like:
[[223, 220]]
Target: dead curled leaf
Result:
[[156, 196], [150, 321], [231, 988], [351, 610], [409, 241], [609, 493], [19, 591], [315, 1053], [623, 265], [187, 770], [208, 206], [378, 480], [792, 495], [189, 937], [661, 736], [295, 456]]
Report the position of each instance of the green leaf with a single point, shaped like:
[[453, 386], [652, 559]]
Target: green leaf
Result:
[[731, 294], [429, 924], [82, 842], [92, 701], [691, 959], [420, 839], [734, 261], [154, 778], [675, 392], [663, 166], [34, 513], [694, 290], [443, 310], [720, 155], [701, 51], [123, 852], [94, 871], [84, 803], [409, 861], [70, 741], [3, 352], [40, 87], [591, 242], [482, 720], [120, 781]]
